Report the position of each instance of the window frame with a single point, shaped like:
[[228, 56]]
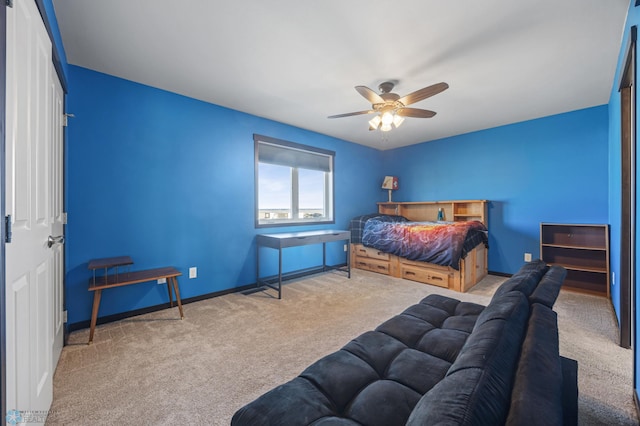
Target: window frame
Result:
[[329, 182]]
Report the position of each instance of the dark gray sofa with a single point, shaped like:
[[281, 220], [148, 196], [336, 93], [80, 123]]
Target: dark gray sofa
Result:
[[441, 361]]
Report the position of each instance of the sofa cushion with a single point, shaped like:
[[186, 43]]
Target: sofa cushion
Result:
[[275, 406], [340, 375], [376, 349], [443, 343], [382, 403], [497, 337], [548, 289], [477, 387], [378, 377], [448, 402], [538, 385], [438, 325], [525, 280]]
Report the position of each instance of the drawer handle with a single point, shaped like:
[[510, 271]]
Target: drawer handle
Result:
[[381, 267], [362, 251], [409, 273], [379, 253]]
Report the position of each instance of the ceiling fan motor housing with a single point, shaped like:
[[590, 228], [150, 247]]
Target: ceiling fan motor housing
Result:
[[386, 87]]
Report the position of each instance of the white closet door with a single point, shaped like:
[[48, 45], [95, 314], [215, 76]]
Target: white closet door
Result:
[[32, 267]]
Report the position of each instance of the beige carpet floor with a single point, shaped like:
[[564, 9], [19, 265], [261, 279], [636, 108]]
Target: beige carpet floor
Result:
[[155, 369]]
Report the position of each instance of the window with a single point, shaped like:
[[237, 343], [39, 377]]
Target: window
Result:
[[294, 183]]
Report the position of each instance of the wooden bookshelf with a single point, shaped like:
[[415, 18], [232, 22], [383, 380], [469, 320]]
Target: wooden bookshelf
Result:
[[583, 249]]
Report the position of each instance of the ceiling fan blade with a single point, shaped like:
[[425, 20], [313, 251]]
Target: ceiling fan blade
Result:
[[415, 112], [370, 95], [423, 93], [349, 114]]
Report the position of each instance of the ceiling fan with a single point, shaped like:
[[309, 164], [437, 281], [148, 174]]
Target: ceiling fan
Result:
[[391, 108]]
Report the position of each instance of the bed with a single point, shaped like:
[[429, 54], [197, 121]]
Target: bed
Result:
[[405, 240]]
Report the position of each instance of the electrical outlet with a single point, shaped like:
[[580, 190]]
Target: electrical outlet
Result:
[[345, 247], [527, 257], [162, 281], [193, 272], [613, 278]]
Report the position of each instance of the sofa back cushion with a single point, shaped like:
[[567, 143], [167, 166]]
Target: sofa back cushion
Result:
[[477, 387], [538, 383], [548, 289], [525, 280]]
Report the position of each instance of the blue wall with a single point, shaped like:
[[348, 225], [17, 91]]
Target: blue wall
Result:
[[169, 180], [633, 18], [552, 169]]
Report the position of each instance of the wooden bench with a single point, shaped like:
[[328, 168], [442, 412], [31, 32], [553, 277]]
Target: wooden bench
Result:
[[98, 284]]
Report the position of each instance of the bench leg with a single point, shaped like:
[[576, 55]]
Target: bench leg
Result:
[[174, 280], [170, 294], [94, 313]]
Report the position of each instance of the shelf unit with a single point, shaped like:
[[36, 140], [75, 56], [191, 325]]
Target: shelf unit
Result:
[[583, 249], [428, 210]]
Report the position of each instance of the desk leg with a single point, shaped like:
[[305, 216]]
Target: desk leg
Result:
[[348, 259], [280, 273], [257, 265], [174, 280], [324, 257], [170, 294], [94, 313]]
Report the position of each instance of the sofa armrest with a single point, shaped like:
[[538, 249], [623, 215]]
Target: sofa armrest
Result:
[[569, 391], [538, 384]]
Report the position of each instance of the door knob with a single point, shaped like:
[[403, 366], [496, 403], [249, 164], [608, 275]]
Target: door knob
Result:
[[55, 240]]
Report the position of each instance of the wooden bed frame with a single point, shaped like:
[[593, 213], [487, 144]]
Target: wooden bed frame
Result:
[[472, 268]]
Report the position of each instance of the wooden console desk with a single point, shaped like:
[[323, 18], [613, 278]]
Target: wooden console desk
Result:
[[296, 239], [128, 278]]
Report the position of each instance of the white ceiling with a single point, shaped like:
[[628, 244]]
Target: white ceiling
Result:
[[297, 61]]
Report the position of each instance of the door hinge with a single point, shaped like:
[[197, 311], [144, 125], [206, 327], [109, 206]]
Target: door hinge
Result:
[[65, 119], [7, 228], [9, 3], [65, 218]]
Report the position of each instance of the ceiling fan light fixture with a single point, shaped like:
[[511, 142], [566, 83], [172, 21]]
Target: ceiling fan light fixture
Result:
[[385, 127], [387, 117], [397, 120], [375, 122]]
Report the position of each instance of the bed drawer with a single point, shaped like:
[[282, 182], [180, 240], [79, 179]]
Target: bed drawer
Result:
[[441, 279], [371, 253], [373, 265]]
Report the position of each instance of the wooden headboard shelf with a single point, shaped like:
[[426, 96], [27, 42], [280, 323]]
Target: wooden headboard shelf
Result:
[[455, 210]]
